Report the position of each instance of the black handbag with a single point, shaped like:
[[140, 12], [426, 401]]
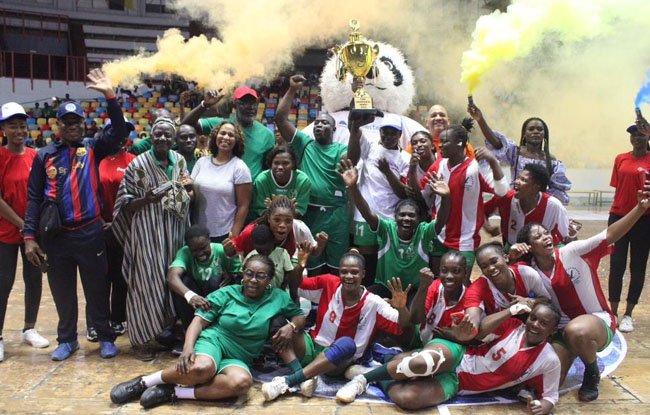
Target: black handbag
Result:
[[50, 222]]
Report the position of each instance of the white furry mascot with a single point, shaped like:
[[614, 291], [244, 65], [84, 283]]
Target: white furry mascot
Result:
[[392, 91]]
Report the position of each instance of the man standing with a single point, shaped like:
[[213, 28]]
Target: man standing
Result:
[[65, 174], [258, 139]]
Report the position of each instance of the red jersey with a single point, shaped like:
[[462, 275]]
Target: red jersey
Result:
[[14, 175], [505, 362], [573, 283], [467, 184], [111, 172], [438, 314], [628, 176], [549, 212], [335, 320], [299, 233], [485, 295]]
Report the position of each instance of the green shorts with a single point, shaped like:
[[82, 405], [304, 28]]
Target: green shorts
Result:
[[449, 380], [335, 222], [363, 235], [438, 249], [209, 345], [559, 337], [311, 350]]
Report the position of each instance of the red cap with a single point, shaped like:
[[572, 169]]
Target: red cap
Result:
[[242, 91]]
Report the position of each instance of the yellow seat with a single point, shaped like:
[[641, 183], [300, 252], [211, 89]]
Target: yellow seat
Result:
[[169, 104], [99, 121], [54, 127], [51, 121], [128, 115], [41, 121], [143, 121], [94, 104], [142, 100], [175, 110], [137, 116], [85, 104], [34, 134], [139, 128]]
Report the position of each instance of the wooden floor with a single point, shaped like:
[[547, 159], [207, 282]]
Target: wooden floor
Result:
[[32, 383]]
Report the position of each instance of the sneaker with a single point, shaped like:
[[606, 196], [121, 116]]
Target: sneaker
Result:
[[119, 328], [108, 350], [158, 395], [308, 387], [128, 391], [349, 392], [383, 354], [64, 350], [354, 370], [589, 390], [32, 337], [143, 353], [91, 335], [2, 350], [626, 326], [276, 387]]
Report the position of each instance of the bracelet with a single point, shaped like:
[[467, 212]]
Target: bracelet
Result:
[[202, 104], [293, 326], [188, 295]]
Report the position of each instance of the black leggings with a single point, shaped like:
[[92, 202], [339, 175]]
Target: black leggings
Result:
[[638, 242], [31, 275]]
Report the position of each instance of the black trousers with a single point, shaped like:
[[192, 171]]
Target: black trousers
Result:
[[637, 242], [184, 311], [82, 249], [31, 275]]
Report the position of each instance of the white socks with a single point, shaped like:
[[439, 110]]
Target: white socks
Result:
[[182, 392], [153, 379]]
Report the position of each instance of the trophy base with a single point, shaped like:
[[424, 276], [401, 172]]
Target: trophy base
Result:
[[362, 113]]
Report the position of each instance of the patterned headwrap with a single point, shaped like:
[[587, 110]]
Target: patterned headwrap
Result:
[[164, 120]]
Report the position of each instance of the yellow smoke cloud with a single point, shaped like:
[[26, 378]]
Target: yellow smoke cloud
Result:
[[259, 39]]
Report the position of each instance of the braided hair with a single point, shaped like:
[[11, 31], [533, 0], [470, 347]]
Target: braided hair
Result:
[[546, 148]]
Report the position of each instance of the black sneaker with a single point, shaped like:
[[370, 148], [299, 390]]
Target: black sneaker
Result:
[[158, 395], [91, 335], [128, 391], [119, 328], [589, 390]]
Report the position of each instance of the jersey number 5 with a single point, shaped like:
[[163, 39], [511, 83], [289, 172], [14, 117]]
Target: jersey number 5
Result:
[[498, 354]]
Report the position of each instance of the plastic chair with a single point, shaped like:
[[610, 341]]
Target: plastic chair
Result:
[[41, 121], [34, 134], [51, 121]]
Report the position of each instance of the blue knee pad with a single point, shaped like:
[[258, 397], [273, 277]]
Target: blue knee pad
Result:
[[341, 350]]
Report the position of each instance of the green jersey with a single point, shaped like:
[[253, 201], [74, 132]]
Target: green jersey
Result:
[[265, 186], [320, 163], [258, 140], [141, 146], [241, 324], [402, 259], [217, 264]]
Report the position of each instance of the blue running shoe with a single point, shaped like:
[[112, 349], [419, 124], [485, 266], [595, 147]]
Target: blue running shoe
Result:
[[108, 350], [65, 350]]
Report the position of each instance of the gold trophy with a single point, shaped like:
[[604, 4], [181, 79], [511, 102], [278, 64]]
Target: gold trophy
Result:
[[358, 57]]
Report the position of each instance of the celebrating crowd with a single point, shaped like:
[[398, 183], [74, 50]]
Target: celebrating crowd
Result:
[[320, 249]]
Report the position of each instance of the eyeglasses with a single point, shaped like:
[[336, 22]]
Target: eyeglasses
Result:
[[248, 274]]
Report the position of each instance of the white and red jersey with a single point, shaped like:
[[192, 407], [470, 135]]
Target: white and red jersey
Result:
[[438, 314], [573, 283], [335, 320], [467, 183], [505, 362], [484, 294], [549, 212]]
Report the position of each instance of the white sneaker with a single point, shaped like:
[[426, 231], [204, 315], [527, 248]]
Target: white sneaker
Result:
[[355, 370], [349, 392], [2, 350], [32, 337], [308, 387], [626, 326], [276, 387]]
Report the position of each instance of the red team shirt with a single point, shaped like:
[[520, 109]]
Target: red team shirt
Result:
[[14, 175], [467, 184], [549, 212], [335, 320], [574, 285], [504, 362], [438, 314], [485, 295], [111, 172], [627, 177]]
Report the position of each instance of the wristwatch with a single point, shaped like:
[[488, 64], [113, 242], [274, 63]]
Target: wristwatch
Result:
[[293, 326]]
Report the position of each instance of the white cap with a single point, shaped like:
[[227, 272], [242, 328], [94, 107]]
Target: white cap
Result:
[[11, 109], [391, 120]]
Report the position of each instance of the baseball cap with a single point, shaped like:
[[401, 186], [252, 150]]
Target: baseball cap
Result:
[[12, 109], [242, 91], [70, 107], [129, 124], [632, 129], [391, 120]]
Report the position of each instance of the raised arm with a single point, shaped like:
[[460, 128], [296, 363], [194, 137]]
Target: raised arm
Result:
[[350, 176], [476, 113], [618, 229], [418, 305], [395, 184], [211, 98], [287, 130], [441, 190]]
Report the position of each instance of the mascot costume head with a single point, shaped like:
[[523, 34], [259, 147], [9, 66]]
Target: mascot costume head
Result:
[[391, 86]]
